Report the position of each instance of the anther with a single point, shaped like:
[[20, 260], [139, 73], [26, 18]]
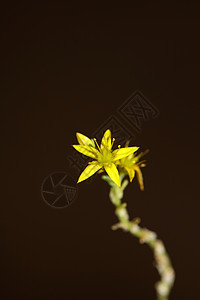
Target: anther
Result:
[[113, 140]]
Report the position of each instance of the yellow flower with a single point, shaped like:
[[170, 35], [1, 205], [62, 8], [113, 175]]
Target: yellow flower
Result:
[[104, 157], [132, 165]]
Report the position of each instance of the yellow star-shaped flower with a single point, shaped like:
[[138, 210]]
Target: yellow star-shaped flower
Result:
[[104, 157], [132, 165]]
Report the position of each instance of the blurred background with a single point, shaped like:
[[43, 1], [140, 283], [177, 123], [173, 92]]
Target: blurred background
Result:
[[67, 68]]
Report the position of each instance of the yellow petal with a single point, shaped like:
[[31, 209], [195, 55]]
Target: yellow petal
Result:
[[123, 152], [89, 171], [82, 139], [131, 173], [106, 140], [100, 171], [113, 173], [87, 150], [139, 177]]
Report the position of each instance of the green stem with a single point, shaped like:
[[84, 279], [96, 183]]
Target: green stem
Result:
[[162, 260]]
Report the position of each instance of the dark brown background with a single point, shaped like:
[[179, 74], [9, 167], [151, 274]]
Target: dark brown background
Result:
[[66, 69]]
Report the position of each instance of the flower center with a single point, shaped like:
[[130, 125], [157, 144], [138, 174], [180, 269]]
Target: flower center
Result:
[[105, 157]]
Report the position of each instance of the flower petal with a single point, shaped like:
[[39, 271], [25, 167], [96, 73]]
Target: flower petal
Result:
[[131, 173], [123, 152], [139, 177], [89, 171], [82, 139], [92, 143], [87, 150], [113, 173], [106, 140]]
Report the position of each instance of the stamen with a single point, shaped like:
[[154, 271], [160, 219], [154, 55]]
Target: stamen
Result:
[[127, 144], [141, 162], [113, 140], [143, 153], [97, 144], [119, 146]]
